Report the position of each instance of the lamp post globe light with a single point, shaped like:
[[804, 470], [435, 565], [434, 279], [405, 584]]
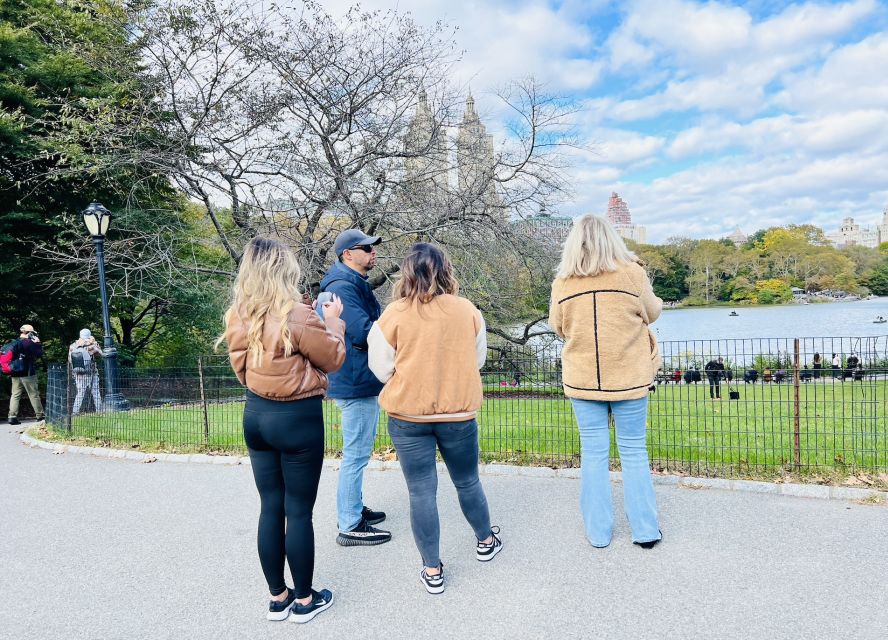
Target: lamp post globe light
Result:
[[97, 219]]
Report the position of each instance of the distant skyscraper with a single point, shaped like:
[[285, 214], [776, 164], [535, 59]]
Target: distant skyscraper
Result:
[[618, 214], [618, 210]]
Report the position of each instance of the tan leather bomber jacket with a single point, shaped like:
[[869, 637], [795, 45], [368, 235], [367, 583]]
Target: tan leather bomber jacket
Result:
[[319, 349]]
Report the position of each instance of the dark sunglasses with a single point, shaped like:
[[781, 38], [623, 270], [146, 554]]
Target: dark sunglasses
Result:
[[366, 248]]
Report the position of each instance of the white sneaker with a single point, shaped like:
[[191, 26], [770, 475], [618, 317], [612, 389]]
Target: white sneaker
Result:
[[435, 583], [486, 551]]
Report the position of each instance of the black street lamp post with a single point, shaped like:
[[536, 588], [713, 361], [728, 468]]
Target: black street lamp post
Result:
[[97, 219]]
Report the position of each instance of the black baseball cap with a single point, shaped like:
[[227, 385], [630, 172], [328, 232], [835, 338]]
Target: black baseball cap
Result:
[[352, 238]]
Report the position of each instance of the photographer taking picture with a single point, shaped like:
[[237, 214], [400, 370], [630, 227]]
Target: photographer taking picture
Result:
[[24, 373]]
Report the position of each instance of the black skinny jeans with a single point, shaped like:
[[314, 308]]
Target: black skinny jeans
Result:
[[286, 444]]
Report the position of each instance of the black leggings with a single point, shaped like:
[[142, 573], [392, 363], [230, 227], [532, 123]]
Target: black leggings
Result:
[[286, 444]]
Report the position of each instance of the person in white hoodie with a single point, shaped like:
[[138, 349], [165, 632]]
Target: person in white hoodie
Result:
[[82, 357]]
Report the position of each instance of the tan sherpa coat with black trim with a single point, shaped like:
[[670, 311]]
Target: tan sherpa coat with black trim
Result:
[[609, 351]]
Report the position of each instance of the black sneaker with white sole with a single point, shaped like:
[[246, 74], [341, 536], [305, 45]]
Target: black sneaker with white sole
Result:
[[320, 600], [371, 516], [433, 583], [486, 550], [280, 610], [363, 535]]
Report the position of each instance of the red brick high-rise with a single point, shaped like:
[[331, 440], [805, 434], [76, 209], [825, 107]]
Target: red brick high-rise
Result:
[[618, 210]]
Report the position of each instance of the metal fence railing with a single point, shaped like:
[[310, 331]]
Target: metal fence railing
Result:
[[776, 410]]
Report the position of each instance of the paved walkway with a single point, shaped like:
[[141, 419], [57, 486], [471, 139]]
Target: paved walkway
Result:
[[103, 549]]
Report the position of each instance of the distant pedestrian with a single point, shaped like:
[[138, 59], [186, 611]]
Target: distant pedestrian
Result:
[[282, 351], [26, 350], [715, 370], [851, 366], [428, 347], [602, 304], [82, 356], [836, 366], [817, 365]]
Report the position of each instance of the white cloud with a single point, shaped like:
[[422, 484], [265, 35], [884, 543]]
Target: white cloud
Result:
[[861, 131], [693, 34], [620, 148], [719, 58], [852, 76]]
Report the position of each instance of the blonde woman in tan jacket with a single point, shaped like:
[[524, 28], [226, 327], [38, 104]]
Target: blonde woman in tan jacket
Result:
[[428, 347], [602, 303], [282, 351]]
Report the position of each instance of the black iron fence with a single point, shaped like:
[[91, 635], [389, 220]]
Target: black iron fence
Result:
[[777, 405]]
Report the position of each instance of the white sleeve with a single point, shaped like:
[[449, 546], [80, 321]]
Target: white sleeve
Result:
[[381, 355], [481, 343]]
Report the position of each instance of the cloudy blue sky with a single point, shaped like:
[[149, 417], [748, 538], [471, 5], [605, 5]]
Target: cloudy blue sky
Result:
[[705, 115]]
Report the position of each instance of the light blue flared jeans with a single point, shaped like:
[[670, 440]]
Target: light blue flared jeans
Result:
[[596, 499]]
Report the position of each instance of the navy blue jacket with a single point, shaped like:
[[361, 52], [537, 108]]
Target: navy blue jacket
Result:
[[360, 309]]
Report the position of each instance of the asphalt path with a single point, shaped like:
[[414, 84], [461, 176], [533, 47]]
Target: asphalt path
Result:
[[99, 548]]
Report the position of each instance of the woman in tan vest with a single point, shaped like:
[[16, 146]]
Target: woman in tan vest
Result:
[[428, 347], [602, 303]]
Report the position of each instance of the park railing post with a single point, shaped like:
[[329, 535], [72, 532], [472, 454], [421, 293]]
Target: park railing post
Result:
[[796, 407], [203, 401]]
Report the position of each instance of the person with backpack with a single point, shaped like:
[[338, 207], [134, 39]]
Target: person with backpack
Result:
[[21, 367], [82, 358]]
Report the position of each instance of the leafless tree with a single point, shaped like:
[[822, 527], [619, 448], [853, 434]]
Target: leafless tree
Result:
[[293, 123]]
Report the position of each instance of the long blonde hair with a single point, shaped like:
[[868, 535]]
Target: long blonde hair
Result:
[[426, 273], [593, 246], [266, 287]]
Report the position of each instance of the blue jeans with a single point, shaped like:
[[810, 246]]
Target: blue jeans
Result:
[[359, 418], [596, 500], [458, 442]]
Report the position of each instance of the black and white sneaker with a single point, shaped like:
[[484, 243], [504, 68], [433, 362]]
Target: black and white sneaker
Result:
[[486, 550], [372, 517], [279, 610], [320, 600], [363, 535], [435, 583]]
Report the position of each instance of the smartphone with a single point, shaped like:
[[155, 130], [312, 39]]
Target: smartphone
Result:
[[323, 298]]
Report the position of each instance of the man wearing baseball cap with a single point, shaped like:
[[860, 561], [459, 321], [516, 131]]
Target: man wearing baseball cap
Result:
[[354, 387], [27, 348]]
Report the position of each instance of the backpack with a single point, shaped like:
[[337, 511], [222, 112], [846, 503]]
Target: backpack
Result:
[[81, 360], [12, 361]]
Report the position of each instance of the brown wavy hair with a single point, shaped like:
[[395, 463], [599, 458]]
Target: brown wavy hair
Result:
[[426, 273]]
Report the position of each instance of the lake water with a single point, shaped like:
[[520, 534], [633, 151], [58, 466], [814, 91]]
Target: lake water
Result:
[[852, 319]]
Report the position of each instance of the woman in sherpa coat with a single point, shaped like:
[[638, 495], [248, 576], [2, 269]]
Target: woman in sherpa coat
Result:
[[602, 303]]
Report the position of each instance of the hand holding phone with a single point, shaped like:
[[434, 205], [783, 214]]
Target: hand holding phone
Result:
[[328, 305]]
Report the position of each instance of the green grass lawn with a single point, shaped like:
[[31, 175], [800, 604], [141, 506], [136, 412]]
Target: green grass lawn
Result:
[[842, 426]]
